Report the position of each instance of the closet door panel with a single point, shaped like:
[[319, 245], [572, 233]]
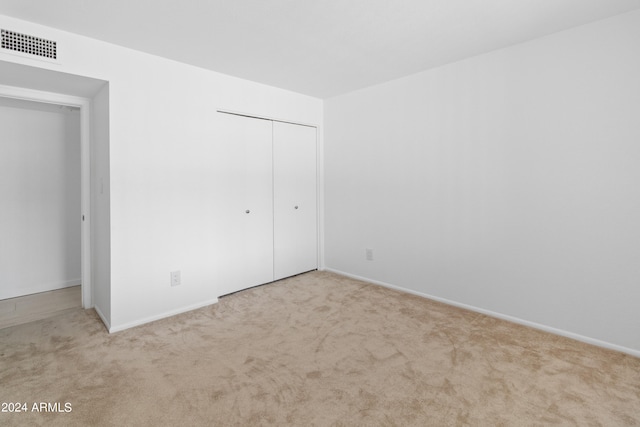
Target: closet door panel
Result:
[[295, 201], [248, 205]]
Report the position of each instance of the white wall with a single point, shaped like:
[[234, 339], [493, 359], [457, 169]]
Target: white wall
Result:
[[162, 173], [100, 205], [508, 182], [40, 193]]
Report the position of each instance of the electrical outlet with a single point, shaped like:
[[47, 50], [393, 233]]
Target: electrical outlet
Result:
[[369, 254], [175, 278]]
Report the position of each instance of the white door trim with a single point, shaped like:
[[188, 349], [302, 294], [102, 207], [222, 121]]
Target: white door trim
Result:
[[260, 117], [85, 143]]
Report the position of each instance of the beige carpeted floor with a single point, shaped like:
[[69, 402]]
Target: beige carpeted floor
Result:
[[317, 349]]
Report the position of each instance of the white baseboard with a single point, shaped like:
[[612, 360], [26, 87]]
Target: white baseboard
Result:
[[164, 315], [36, 289], [490, 313], [102, 317]]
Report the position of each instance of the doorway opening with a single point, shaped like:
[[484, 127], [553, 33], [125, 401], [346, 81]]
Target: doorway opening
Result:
[[45, 262]]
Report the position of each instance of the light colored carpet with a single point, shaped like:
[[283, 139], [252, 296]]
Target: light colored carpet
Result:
[[317, 349]]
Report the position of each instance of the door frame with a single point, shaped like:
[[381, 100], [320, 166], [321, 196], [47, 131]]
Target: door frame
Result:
[[84, 104]]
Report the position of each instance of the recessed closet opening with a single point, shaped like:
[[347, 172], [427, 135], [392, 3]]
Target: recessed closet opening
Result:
[[271, 209]]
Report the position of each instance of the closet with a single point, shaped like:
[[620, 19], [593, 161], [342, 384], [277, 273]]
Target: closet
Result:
[[272, 209]]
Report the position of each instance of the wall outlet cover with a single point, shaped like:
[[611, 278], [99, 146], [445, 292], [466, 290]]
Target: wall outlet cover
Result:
[[369, 254], [175, 278]]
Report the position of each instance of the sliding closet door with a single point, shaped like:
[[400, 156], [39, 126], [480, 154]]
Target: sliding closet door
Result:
[[248, 176], [294, 195]]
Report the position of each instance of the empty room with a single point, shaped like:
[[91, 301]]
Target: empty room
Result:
[[315, 213]]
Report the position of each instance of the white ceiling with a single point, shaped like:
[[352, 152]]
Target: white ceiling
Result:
[[321, 48]]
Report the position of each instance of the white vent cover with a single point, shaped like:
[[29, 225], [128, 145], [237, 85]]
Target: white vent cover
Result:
[[30, 45]]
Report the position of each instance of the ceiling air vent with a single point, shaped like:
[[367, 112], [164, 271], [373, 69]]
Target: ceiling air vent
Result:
[[30, 45]]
